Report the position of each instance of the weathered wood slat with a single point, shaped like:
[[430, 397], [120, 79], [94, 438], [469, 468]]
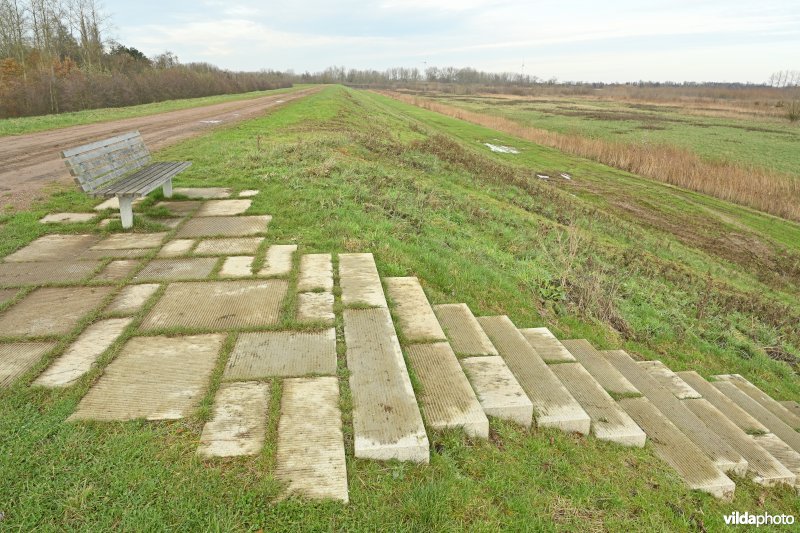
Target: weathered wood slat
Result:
[[112, 160], [91, 182], [161, 172], [136, 143], [142, 176], [99, 144]]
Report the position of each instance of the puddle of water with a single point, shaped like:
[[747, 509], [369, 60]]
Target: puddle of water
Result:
[[499, 148]]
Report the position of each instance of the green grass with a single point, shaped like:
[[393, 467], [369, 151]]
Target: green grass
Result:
[[622, 261], [19, 126], [767, 142]]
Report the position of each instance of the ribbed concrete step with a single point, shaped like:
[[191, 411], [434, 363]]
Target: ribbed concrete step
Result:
[[498, 391], [691, 464], [721, 453], [447, 398], [386, 420], [237, 266], [465, 334], [315, 307], [782, 452], [310, 456], [728, 407], [415, 317], [760, 413], [609, 421], [278, 260], [359, 281], [764, 468], [553, 405], [316, 273], [792, 406], [547, 345], [669, 380], [773, 406], [604, 372], [239, 423], [132, 298]]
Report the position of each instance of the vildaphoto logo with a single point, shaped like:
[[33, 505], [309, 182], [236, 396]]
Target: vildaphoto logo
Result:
[[746, 519]]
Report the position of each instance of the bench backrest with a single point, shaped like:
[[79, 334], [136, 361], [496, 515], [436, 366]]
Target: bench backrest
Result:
[[97, 164]]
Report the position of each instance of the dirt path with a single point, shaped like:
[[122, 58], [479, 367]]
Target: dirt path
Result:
[[29, 163]]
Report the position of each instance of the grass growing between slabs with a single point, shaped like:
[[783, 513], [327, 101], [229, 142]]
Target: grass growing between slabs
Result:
[[607, 256]]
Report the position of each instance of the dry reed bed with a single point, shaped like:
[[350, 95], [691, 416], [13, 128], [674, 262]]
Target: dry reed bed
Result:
[[771, 192]]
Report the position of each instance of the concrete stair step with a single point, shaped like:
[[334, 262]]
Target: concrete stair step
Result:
[[604, 372], [674, 448], [465, 333], [773, 406], [728, 407], [763, 467], [316, 273], [310, 456], [669, 380], [722, 454], [500, 394], [553, 405], [415, 318], [359, 281], [239, 424], [774, 424], [278, 260], [782, 452], [447, 399], [791, 406], [609, 421], [547, 345], [386, 420]]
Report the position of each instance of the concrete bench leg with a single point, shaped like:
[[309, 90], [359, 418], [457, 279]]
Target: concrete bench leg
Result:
[[167, 188], [126, 211]]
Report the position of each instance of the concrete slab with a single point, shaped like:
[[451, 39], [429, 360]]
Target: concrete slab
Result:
[[224, 226], [598, 366], [446, 396], [171, 223], [553, 405], [723, 455], [310, 456], [177, 269], [728, 407], [53, 248], [278, 261], [176, 248], [113, 203], [239, 423], [465, 334], [78, 359], [774, 424], [316, 273], [180, 209], [763, 468], [51, 311], [229, 246], [17, 358], [547, 345], [115, 254], [218, 305], [224, 208], [131, 298], [19, 274], [203, 193], [669, 380], [117, 269], [282, 354], [763, 398], [67, 218], [359, 281], [156, 378], [315, 307], [386, 420], [675, 449], [6, 295], [238, 266], [782, 452], [498, 391], [609, 422], [128, 241], [791, 406], [249, 193], [415, 317]]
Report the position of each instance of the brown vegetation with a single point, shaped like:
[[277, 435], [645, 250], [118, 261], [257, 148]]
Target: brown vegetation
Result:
[[767, 191]]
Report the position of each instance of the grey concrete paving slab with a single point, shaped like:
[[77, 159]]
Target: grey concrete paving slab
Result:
[[67, 271], [67, 218], [498, 391], [79, 357], [237, 266], [359, 281], [386, 420], [177, 247], [177, 269], [415, 317], [249, 193], [600, 368], [229, 246], [155, 378], [6, 295], [218, 305], [282, 354], [223, 208], [316, 273], [669, 380], [315, 307], [130, 241], [278, 260], [53, 248], [113, 203], [115, 254], [763, 398], [781, 451], [18, 357], [238, 425], [51, 311], [131, 298], [792, 406], [462, 329], [310, 457], [547, 345], [117, 269], [180, 209], [242, 226], [728, 407], [203, 193]]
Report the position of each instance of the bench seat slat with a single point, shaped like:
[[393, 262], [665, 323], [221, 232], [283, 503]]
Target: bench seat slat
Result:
[[108, 173], [145, 180]]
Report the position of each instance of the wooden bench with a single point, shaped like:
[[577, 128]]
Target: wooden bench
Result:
[[121, 167]]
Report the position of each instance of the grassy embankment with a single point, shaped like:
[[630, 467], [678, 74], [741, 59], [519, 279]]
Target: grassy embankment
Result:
[[625, 262]]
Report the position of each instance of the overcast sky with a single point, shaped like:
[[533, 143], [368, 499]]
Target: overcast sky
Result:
[[699, 40]]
